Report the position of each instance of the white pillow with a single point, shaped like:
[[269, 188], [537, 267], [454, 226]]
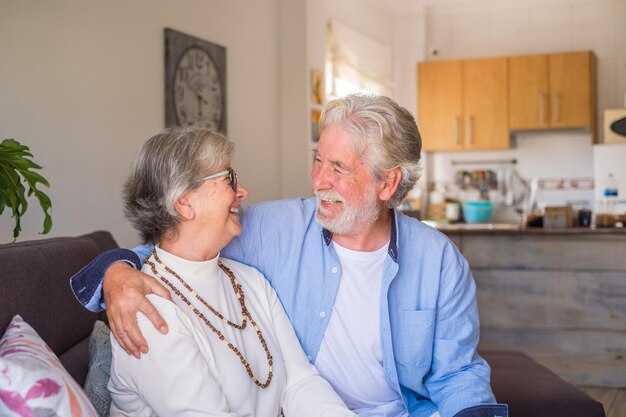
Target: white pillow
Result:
[[32, 380]]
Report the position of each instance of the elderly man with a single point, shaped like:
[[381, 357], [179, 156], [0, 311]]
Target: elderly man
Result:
[[383, 305]]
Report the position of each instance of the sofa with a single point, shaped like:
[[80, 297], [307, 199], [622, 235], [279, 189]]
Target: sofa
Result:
[[34, 282]]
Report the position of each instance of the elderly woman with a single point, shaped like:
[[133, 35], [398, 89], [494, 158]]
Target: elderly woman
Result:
[[230, 350]]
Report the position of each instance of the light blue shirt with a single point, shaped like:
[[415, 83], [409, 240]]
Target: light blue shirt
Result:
[[428, 318]]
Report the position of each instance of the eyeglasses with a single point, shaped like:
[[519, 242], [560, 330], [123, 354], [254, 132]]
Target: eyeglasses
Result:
[[231, 172]]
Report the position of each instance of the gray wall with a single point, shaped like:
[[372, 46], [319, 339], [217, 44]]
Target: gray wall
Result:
[[81, 83]]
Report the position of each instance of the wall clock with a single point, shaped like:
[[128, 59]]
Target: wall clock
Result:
[[195, 82]]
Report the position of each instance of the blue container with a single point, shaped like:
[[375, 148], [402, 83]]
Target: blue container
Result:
[[477, 211]]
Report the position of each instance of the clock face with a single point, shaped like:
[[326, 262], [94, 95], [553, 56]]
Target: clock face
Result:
[[198, 96]]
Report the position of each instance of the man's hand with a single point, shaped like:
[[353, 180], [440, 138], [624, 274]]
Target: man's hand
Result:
[[125, 291]]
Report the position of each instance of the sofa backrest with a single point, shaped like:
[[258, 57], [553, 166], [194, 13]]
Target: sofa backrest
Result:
[[34, 283]]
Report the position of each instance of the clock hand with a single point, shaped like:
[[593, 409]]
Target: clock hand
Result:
[[199, 96]]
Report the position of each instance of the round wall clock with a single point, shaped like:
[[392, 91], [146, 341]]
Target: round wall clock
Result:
[[198, 90], [195, 82]]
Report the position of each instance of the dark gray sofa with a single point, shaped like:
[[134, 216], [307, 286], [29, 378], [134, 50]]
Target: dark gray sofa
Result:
[[34, 282]]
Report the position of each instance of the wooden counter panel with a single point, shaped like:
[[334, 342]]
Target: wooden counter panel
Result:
[[546, 252], [560, 298], [557, 300]]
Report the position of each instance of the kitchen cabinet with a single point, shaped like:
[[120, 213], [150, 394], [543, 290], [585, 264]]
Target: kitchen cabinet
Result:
[[463, 104], [440, 110], [484, 104], [552, 91]]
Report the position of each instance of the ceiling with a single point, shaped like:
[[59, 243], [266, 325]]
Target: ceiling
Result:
[[399, 7]]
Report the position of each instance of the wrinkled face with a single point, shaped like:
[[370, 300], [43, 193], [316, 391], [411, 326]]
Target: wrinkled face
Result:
[[347, 195], [217, 207]]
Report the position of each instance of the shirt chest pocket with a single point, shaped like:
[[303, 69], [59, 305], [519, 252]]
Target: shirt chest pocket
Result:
[[414, 343]]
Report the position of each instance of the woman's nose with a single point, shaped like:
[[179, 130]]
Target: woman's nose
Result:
[[242, 192]]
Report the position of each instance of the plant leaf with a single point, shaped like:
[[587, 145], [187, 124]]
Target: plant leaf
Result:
[[15, 165]]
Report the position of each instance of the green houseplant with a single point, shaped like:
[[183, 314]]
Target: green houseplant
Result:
[[16, 168]]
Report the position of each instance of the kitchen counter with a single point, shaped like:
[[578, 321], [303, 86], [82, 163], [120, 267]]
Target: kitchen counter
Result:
[[510, 228], [558, 295]]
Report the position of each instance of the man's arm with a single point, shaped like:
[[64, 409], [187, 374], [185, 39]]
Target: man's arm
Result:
[[459, 379], [113, 275]]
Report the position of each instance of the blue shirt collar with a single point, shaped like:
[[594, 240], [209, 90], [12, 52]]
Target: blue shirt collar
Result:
[[393, 239]]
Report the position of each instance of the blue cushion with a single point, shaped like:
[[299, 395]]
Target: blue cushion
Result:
[[99, 368]]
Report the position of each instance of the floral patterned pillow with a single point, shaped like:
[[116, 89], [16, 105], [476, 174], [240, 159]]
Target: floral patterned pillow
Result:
[[32, 380]]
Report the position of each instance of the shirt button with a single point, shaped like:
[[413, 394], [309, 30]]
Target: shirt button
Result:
[[323, 314], [334, 270], [308, 357]]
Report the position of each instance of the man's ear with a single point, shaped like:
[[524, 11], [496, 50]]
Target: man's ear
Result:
[[389, 184], [184, 207]]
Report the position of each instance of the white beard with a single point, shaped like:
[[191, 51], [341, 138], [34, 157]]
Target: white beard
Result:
[[351, 219]]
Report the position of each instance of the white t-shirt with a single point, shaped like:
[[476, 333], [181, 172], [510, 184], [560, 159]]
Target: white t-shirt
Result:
[[350, 357], [190, 372]]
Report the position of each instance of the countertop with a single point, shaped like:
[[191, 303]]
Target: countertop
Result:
[[510, 228]]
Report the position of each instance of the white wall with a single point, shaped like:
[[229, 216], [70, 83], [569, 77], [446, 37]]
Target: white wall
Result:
[[294, 99], [362, 16], [402, 33], [82, 81], [409, 49], [496, 28]]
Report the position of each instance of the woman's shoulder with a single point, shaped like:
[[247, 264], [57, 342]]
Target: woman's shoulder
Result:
[[175, 318]]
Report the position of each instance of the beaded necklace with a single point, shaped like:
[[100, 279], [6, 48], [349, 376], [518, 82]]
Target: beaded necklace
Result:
[[244, 313]]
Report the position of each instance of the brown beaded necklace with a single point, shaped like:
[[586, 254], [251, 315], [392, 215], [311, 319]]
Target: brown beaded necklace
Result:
[[245, 314]]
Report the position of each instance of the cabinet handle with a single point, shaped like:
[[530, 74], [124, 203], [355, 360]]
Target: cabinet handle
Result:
[[456, 130], [542, 107], [555, 107], [468, 130]]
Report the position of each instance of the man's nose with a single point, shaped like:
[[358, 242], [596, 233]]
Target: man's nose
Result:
[[320, 177]]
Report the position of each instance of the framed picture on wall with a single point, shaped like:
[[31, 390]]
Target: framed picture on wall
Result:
[[315, 125], [317, 86], [195, 82]]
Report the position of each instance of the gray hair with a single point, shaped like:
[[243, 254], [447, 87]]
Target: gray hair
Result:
[[168, 165], [382, 133]]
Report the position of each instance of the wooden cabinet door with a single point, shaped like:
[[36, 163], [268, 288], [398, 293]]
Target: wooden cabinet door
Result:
[[439, 101], [528, 92], [485, 105], [572, 89]]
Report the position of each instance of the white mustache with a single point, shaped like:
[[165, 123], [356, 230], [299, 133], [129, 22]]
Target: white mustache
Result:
[[328, 195]]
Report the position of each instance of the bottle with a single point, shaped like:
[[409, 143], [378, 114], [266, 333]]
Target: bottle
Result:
[[610, 192], [606, 210]]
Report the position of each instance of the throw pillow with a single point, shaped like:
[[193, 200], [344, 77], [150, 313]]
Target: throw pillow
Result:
[[32, 380], [99, 368]]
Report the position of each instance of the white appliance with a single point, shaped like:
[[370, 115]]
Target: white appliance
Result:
[[615, 126], [610, 158]]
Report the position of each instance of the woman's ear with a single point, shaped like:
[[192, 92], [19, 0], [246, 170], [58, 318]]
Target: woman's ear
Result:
[[389, 184], [184, 207]]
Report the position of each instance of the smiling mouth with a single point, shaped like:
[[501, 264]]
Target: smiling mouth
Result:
[[234, 210], [331, 201]]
